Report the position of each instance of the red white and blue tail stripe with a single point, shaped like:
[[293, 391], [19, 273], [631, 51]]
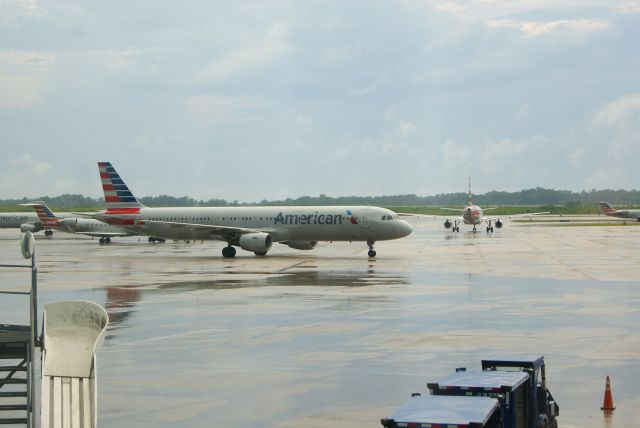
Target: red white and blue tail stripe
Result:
[[117, 195], [46, 216]]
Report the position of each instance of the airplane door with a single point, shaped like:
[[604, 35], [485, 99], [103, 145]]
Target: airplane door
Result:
[[364, 220]]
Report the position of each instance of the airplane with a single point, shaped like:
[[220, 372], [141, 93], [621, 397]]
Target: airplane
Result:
[[472, 214], [253, 229], [612, 212], [82, 226], [25, 221]]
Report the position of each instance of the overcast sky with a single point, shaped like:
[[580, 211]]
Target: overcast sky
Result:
[[251, 100]]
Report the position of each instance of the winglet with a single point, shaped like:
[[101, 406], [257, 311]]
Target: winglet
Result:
[[116, 193]]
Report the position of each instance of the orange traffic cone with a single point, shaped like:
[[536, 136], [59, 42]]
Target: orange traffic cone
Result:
[[608, 399]]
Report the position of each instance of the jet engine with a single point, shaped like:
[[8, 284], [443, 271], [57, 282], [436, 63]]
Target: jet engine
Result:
[[258, 242], [447, 224], [70, 224], [498, 223], [302, 245], [29, 227]]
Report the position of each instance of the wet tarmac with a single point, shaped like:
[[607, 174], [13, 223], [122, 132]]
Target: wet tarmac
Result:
[[331, 338]]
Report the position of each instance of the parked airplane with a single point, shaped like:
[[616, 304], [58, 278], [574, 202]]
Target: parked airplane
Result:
[[250, 228], [472, 214], [610, 211], [82, 226], [25, 221]]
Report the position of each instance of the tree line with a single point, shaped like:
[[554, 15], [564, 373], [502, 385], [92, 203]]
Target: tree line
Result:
[[537, 197]]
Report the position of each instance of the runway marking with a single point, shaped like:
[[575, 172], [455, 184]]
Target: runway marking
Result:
[[293, 266]]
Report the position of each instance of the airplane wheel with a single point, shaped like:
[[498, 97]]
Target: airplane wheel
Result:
[[491, 229], [48, 233], [228, 252], [260, 253], [488, 229], [107, 240], [372, 253], [101, 241]]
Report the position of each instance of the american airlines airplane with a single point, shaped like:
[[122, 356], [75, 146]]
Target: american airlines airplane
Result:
[[472, 214], [82, 226], [25, 221], [610, 211], [250, 228]]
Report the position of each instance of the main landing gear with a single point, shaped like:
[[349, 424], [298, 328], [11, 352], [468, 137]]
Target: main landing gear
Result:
[[105, 240], [228, 252], [372, 252], [456, 225], [153, 239], [48, 233]]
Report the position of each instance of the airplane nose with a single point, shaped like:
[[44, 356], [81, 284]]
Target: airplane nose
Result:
[[404, 228]]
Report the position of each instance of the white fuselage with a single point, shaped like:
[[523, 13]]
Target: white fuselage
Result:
[[626, 214], [92, 227], [472, 214], [11, 220], [299, 223]]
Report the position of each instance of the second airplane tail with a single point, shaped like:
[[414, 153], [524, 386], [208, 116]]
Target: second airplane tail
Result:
[[46, 216], [606, 208], [117, 195]]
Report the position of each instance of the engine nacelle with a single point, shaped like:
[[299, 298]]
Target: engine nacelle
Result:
[[70, 224], [447, 224], [258, 242], [498, 223], [302, 245], [29, 227]]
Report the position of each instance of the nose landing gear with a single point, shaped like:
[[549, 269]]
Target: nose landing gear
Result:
[[372, 252]]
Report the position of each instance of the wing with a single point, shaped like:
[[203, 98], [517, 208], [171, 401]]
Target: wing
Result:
[[226, 232], [494, 219], [528, 214], [105, 234]]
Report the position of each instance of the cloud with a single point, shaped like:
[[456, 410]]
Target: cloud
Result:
[[23, 75], [537, 28], [406, 129], [622, 113], [258, 54], [222, 109], [24, 176]]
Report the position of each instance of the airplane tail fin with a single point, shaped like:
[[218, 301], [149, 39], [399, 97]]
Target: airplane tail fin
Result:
[[606, 208], [46, 216], [117, 195], [469, 198]]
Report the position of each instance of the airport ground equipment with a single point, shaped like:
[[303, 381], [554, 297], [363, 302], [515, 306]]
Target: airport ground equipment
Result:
[[72, 332], [17, 350], [427, 411], [518, 385]]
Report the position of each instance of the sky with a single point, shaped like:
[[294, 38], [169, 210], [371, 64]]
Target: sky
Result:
[[251, 100]]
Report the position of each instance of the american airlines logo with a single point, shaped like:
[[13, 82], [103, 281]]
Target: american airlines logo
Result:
[[313, 218]]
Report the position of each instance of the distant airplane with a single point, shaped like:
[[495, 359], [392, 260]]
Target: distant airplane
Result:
[[472, 215], [25, 221], [250, 228], [82, 226], [612, 212]]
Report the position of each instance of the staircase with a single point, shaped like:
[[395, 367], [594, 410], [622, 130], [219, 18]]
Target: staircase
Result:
[[16, 375]]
